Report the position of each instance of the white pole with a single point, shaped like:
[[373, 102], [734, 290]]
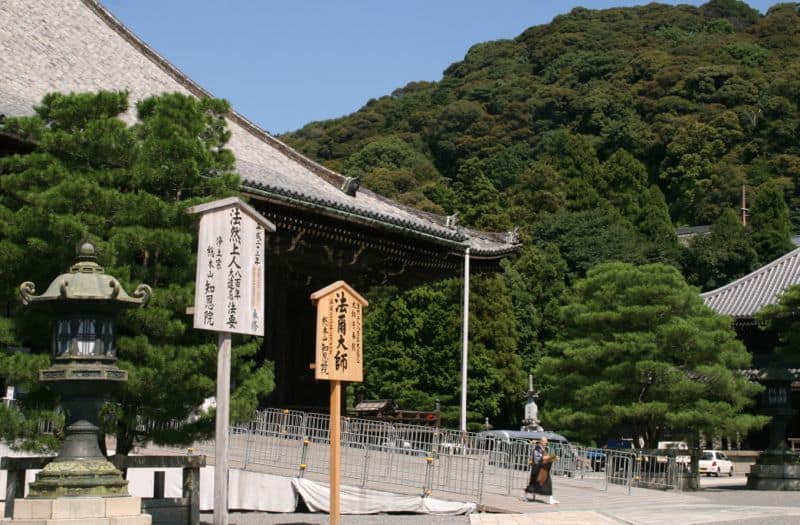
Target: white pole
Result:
[[465, 345], [223, 423]]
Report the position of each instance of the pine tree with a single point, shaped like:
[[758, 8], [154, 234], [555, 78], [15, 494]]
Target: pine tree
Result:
[[637, 347], [127, 188]]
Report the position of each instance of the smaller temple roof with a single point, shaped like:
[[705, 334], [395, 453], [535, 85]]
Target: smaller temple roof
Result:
[[745, 296]]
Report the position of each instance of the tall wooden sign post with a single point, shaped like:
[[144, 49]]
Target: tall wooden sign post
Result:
[[228, 298], [340, 358]]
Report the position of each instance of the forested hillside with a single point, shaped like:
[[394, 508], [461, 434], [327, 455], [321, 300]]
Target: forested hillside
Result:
[[596, 135], [703, 100]]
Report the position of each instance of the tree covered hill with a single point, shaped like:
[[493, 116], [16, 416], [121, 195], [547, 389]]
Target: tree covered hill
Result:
[[587, 111], [596, 135]]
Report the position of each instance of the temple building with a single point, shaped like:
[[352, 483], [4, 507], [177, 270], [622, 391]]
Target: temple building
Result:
[[742, 299], [327, 227]]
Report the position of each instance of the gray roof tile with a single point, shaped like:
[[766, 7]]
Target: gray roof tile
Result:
[[77, 45], [744, 297]]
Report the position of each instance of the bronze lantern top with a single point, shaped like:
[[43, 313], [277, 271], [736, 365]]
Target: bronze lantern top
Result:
[[86, 281]]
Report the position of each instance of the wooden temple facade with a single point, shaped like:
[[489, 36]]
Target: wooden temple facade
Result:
[[327, 227]]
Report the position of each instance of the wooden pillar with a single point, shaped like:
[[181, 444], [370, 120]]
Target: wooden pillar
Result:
[[222, 430], [335, 428]]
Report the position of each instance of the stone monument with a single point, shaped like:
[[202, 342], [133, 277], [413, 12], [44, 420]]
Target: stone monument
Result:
[[531, 420]]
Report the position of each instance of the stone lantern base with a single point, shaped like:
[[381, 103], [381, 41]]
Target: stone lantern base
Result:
[[775, 470], [85, 511], [79, 478]]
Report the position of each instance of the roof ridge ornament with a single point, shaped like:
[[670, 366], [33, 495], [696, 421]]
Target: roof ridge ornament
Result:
[[451, 221], [350, 185], [512, 237]]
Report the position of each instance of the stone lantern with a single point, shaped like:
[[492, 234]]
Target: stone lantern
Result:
[[777, 468], [84, 304]]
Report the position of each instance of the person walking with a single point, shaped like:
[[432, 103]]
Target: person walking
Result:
[[540, 481]]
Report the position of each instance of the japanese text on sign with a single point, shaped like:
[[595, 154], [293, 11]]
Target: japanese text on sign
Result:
[[339, 333], [229, 294]]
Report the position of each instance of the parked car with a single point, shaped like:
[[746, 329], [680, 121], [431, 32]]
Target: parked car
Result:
[[714, 462], [677, 445], [511, 448], [597, 457]]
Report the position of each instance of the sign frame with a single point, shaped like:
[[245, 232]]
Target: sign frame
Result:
[[229, 277], [339, 326]]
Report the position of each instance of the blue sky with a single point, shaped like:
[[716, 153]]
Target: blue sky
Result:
[[284, 64]]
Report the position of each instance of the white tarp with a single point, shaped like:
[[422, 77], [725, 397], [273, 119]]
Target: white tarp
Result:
[[263, 492], [354, 500], [250, 491], [246, 490], [140, 482]]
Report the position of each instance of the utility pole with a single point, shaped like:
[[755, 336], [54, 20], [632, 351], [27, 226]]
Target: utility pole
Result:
[[744, 205]]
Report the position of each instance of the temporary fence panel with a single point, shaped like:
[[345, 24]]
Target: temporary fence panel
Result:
[[378, 454], [657, 471]]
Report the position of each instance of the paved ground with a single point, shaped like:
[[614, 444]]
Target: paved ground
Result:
[[724, 501]]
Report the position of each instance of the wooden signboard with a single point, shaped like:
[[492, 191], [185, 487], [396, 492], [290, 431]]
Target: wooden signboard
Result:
[[229, 283], [340, 354], [340, 357], [229, 298]]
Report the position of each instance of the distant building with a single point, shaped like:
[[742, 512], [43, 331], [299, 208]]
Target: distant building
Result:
[[742, 299]]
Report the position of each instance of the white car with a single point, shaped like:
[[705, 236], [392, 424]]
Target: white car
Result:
[[716, 463]]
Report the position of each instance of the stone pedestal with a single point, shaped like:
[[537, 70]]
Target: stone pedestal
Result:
[[775, 470], [124, 510], [79, 479]]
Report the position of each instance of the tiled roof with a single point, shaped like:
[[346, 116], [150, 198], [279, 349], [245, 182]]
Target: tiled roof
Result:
[[761, 374], [77, 45], [685, 231], [744, 297]]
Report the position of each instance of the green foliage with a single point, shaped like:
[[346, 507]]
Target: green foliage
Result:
[[770, 223], [127, 188], [412, 341], [638, 347], [587, 238], [536, 282], [697, 96], [655, 226], [596, 134], [783, 319], [722, 256]]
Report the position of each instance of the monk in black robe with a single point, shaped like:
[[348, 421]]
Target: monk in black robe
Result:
[[540, 481]]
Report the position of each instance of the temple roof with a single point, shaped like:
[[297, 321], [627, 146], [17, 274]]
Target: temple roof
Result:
[[744, 297], [78, 45]]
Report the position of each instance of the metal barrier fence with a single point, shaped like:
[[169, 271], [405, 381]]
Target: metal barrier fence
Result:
[[381, 455]]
